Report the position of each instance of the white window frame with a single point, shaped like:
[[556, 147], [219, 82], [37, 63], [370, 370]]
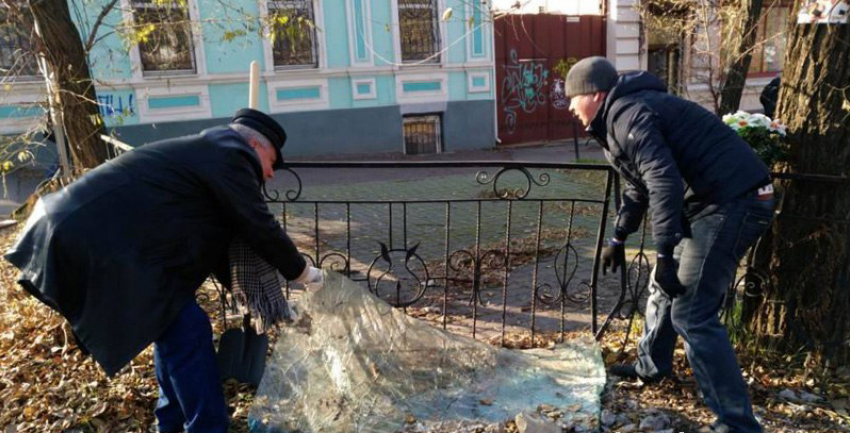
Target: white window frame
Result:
[[197, 46], [25, 78], [28, 95], [403, 97], [358, 96], [486, 29], [268, 48], [201, 111], [396, 27], [352, 33], [275, 106], [471, 88]]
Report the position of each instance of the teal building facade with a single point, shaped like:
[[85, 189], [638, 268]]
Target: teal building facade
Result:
[[358, 76]]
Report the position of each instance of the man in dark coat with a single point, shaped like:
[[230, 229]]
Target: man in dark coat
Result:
[[121, 252], [710, 199], [769, 96]]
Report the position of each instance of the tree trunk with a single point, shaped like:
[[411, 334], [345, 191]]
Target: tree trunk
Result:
[[736, 74], [806, 303], [74, 91]]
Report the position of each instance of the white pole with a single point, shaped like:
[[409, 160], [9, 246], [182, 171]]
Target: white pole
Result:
[[254, 86], [55, 112]]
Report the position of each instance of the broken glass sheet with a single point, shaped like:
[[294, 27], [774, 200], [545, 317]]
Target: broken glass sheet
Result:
[[353, 363]]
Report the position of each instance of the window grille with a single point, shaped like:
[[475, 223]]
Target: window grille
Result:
[[293, 33], [422, 134], [164, 31], [769, 51], [16, 56], [663, 62], [419, 30]]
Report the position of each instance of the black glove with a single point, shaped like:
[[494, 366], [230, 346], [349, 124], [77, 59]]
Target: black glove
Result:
[[614, 255], [665, 275]]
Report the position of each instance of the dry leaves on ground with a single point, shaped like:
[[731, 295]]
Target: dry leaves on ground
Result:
[[48, 385]]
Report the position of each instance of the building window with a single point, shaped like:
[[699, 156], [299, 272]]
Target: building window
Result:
[[663, 62], [769, 52], [419, 31], [293, 34], [164, 34], [422, 134], [16, 56]]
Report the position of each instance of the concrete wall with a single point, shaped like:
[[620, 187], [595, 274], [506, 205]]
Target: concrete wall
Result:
[[624, 36], [347, 131]]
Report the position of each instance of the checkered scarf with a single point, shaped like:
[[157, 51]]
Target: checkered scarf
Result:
[[256, 288]]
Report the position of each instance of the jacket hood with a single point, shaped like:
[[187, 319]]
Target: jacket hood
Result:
[[628, 83]]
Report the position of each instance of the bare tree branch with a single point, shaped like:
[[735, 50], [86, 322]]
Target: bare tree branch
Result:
[[92, 38]]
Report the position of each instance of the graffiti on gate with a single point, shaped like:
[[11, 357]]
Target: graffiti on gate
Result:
[[522, 88], [557, 95]]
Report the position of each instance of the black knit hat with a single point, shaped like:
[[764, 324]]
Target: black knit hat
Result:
[[590, 75], [264, 124]]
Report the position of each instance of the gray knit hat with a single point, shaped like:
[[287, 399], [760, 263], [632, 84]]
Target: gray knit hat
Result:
[[590, 75]]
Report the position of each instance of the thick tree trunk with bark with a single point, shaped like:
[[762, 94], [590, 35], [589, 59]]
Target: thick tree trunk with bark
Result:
[[74, 89], [736, 74], [807, 301]]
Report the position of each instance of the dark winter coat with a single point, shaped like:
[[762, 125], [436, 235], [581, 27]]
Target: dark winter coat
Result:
[[677, 157], [120, 251], [769, 96]]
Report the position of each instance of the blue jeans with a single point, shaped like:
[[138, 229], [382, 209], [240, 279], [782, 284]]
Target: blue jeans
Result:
[[190, 392], [708, 261]]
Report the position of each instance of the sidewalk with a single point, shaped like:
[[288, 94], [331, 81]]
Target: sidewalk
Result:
[[18, 187], [558, 151], [555, 152]]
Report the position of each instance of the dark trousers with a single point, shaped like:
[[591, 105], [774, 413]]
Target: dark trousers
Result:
[[190, 392], [708, 261]]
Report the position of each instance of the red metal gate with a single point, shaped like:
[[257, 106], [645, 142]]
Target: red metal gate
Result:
[[530, 90]]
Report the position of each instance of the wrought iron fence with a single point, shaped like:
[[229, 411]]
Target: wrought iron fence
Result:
[[481, 247], [484, 248]]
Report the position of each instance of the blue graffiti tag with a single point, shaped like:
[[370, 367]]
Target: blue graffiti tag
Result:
[[112, 106], [522, 88]]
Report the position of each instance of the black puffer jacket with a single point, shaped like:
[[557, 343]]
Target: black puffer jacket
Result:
[[676, 157], [120, 251]]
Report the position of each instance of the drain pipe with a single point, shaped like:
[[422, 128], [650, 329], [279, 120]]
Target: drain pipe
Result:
[[495, 111]]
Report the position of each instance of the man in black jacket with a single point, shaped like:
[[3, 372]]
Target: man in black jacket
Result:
[[122, 250], [769, 96], [710, 199]]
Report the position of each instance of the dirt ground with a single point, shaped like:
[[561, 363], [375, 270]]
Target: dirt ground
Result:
[[48, 385]]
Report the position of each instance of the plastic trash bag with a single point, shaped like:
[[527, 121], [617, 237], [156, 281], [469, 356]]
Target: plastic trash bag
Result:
[[355, 364]]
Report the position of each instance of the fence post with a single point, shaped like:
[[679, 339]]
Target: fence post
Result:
[[600, 239]]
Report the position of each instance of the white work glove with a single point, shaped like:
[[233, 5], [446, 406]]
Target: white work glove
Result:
[[310, 275]]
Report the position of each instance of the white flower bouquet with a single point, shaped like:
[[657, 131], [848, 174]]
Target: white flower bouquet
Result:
[[762, 133]]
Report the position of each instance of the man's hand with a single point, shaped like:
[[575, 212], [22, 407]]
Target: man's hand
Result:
[[614, 255], [310, 275], [665, 275]]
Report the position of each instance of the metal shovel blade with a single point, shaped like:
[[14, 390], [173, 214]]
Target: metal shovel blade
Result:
[[242, 355]]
